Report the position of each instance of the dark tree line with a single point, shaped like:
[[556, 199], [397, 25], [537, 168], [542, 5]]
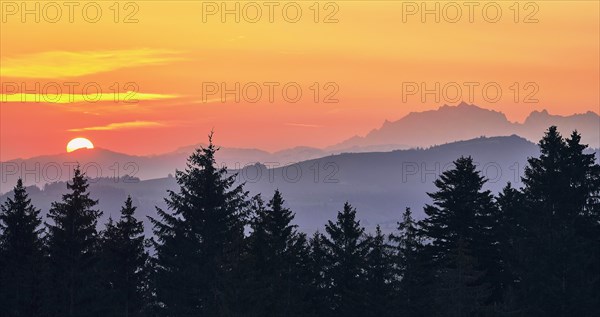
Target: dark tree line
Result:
[[215, 251]]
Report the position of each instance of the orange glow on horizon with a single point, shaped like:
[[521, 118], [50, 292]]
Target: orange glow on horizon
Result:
[[148, 76]]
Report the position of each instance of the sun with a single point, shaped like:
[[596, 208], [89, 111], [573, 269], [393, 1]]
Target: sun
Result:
[[79, 143]]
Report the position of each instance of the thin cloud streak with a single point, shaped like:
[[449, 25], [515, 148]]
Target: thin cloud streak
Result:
[[128, 97], [62, 64], [121, 126], [303, 125]]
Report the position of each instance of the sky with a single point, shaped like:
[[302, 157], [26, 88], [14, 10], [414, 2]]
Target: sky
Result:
[[148, 77]]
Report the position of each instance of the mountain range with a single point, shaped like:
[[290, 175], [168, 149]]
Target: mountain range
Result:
[[379, 184], [416, 130], [466, 121]]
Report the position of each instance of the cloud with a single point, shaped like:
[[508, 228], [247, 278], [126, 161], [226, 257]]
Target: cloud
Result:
[[212, 100], [121, 126], [61, 64], [303, 125], [128, 97]]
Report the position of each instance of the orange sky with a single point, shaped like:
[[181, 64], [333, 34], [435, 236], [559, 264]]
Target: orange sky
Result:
[[161, 62]]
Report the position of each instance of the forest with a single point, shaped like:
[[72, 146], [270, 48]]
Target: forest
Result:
[[217, 251]]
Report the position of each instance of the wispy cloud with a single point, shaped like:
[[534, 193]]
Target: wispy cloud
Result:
[[121, 126], [61, 64], [128, 97], [212, 100], [303, 125]]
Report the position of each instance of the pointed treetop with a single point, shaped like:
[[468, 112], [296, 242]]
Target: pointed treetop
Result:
[[128, 209], [18, 210], [277, 200]]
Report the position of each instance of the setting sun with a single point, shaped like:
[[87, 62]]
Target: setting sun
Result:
[[79, 143]]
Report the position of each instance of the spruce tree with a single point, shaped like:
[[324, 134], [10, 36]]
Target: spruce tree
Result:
[[273, 246], [318, 297], [301, 276], [379, 275], [348, 248], [459, 226], [257, 283], [508, 231], [410, 279], [458, 290], [73, 245], [559, 258], [21, 255], [124, 265], [199, 240]]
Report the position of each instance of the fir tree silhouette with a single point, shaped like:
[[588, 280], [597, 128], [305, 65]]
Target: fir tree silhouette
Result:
[[199, 240], [73, 246], [124, 264], [21, 255]]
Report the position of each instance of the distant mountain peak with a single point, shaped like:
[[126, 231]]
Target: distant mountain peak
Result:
[[543, 116], [467, 121], [462, 104]]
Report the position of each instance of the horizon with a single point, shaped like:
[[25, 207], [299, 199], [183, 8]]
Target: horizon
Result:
[[324, 148], [351, 158], [355, 64], [329, 157]]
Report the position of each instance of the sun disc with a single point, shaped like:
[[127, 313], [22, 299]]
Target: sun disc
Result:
[[79, 143]]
